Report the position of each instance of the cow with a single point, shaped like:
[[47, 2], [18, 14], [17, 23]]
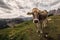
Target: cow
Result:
[[39, 19]]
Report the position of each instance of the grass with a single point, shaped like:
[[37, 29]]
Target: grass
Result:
[[26, 30]]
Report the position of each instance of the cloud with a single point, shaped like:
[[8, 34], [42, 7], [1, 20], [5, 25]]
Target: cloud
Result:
[[3, 5], [18, 8]]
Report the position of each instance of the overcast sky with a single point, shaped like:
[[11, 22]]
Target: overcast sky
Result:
[[18, 8]]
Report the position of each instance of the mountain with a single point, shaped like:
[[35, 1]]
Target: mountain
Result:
[[55, 12]]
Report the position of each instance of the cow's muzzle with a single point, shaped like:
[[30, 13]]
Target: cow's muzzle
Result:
[[35, 21]]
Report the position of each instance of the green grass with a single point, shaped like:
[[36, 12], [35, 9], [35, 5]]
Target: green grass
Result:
[[26, 30]]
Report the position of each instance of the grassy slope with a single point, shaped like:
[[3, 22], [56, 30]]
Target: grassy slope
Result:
[[26, 30]]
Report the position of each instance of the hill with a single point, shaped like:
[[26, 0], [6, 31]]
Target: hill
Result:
[[26, 31]]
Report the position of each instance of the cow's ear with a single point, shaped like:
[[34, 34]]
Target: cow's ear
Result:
[[29, 13]]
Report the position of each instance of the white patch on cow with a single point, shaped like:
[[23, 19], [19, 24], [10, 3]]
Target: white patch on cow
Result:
[[35, 19]]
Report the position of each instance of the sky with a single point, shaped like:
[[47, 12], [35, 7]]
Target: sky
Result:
[[19, 8]]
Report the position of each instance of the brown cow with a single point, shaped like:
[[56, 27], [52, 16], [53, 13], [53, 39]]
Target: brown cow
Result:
[[39, 18]]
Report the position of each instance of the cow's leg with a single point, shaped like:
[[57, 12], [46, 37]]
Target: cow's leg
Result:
[[45, 22], [37, 27], [41, 26], [39, 30]]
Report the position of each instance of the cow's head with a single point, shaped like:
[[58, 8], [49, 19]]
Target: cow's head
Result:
[[36, 14]]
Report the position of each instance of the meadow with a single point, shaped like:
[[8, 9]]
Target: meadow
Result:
[[26, 30]]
